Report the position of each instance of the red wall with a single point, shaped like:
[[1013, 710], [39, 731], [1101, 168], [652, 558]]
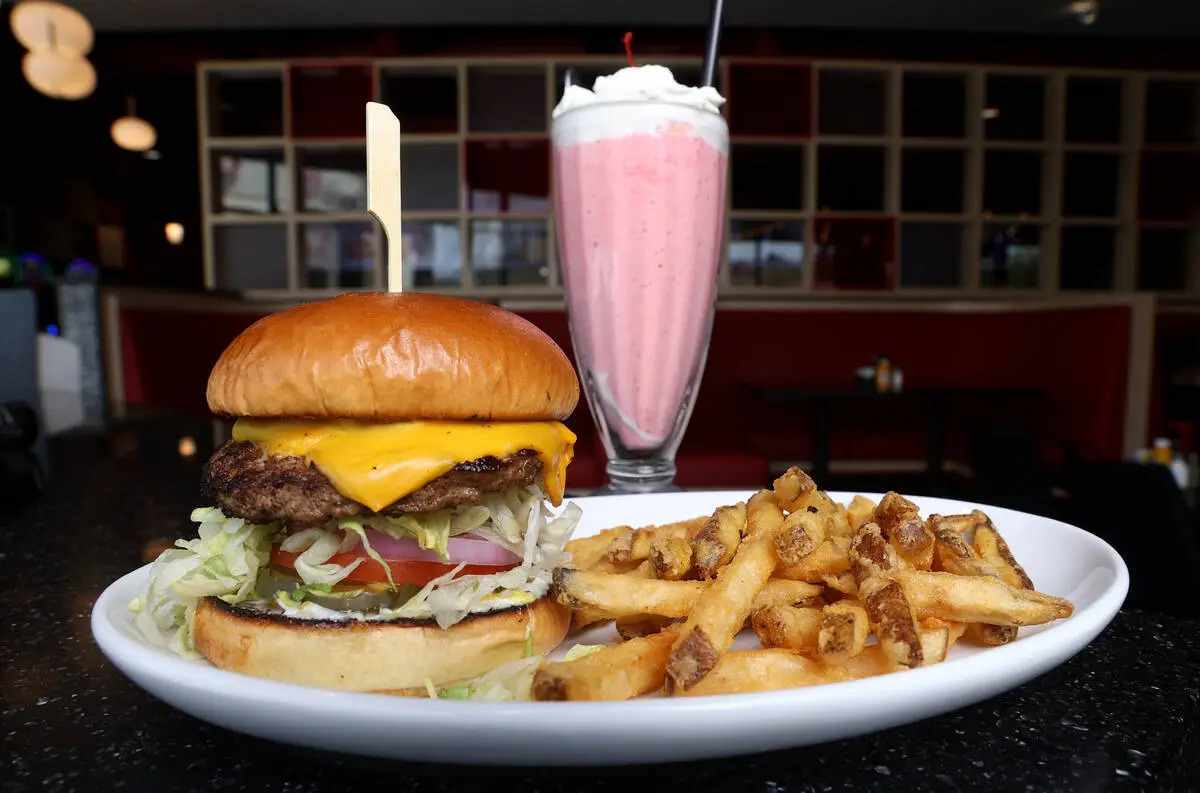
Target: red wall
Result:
[[1077, 357]]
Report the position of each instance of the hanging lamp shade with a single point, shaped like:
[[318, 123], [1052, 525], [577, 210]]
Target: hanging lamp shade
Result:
[[43, 25], [58, 75], [134, 134], [131, 132]]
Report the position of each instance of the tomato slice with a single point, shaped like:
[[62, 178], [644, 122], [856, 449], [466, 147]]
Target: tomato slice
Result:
[[404, 571]]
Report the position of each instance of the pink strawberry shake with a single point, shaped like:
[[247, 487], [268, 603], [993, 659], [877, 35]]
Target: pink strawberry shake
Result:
[[639, 170]]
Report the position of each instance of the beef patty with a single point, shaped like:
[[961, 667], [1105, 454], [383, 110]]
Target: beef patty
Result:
[[247, 483]]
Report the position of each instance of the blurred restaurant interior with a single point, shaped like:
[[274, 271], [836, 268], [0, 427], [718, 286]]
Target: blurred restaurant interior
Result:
[[962, 251]]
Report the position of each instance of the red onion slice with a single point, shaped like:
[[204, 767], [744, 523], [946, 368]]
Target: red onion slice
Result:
[[463, 548]]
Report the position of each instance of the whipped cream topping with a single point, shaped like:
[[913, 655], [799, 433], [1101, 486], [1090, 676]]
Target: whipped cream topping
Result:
[[644, 84]]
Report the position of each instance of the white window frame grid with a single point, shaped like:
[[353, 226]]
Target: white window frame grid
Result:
[[1053, 147]]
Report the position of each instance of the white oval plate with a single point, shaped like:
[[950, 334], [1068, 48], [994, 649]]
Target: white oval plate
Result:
[[1061, 559]]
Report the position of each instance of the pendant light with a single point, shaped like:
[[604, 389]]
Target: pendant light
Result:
[[59, 76], [57, 38], [46, 25], [133, 133]]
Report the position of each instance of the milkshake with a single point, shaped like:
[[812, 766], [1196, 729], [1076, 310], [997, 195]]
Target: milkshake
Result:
[[639, 171]]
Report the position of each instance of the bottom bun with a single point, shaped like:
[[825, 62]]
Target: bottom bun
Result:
[[372, 656]]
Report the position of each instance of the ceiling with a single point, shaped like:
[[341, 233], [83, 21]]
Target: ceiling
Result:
[[1133, 18]]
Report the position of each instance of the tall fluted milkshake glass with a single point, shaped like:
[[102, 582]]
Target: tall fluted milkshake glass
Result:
[[639, 171]]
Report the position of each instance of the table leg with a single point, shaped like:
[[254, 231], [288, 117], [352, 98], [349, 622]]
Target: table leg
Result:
[[820, 452], [935, 442]]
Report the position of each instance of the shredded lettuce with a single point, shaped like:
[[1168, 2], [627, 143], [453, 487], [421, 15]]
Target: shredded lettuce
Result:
[[226, 557], [302, 593], [582, 651], [500, 514], [506, 683], [317, 546], [222, 561], [353, 527]]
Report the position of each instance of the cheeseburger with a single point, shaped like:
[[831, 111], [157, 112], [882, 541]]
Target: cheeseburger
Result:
[[379, 520]]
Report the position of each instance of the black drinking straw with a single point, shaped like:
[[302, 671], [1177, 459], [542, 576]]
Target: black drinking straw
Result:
[[714, 38]]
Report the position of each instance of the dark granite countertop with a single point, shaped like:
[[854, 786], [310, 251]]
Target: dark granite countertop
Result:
[[1123, 714]]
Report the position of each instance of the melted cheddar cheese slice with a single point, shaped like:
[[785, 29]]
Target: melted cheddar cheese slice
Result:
[[376, 464]]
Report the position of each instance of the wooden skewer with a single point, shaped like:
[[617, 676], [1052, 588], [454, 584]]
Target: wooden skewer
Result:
[[383, 185]]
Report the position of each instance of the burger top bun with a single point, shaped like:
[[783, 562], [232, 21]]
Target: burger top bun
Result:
[[394, 357]]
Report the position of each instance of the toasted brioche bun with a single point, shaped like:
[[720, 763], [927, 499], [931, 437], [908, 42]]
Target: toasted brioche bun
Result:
[[394, 357], [372, 656]]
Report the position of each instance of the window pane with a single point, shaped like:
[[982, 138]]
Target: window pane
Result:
[[1090, 185], [508, 176], [767, 177], [508, 252], [1086, 260], [1012, 182], [850, 177], [1019, 102], [932, 180], [337, 254], [1168, 185], [328, 101], [250, 256], [425, 101], [766, 252], [432, 252], [506, 99], [1012, 256], [931, 254], [853, 102], [1173, 111], [770, 100], [935, 105], [1164, 258], [1093, 110], [253, 182], [429, 175], [855, 253], [245, 104], [332, 180]]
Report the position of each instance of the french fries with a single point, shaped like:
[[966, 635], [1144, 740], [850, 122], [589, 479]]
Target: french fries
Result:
[[717, 540], [901, 524], [991, 547], [615, 672], [843, 632], [787, 626], [954, 555], [830, 558], [636, 545], [611, 596], [860, 510], [723, 607], [814, 580], [586, 552], [744, 671], [670, 558], [640, 625], [802, 532], [791, 487], [874, 562], [978, 599]]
